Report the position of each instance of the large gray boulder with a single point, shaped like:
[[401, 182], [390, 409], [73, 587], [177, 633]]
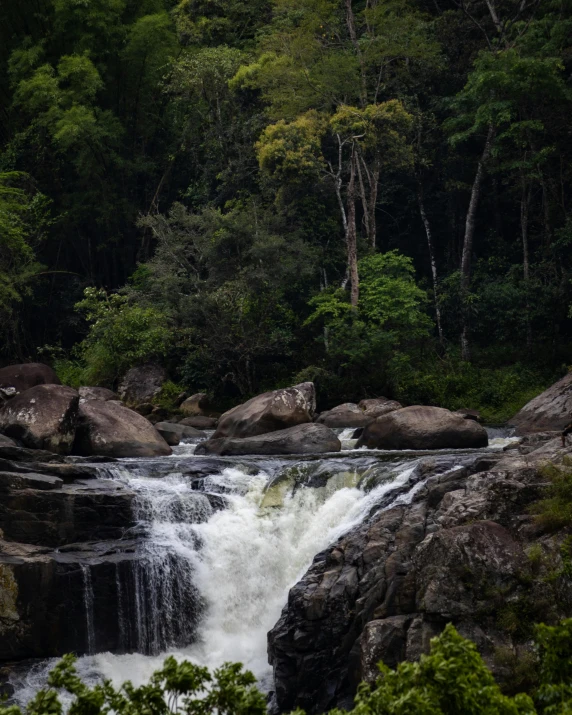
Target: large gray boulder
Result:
[[301, 439], [378, 406], [271, 411], [195, 404], [200, 422], [22, 377], [112, 430], [422, 427], [184, 431], [142, 384], [551, 410], [43, 417], [346, 415]]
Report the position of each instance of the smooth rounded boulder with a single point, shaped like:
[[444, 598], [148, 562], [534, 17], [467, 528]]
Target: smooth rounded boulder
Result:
[[184, 431], [271, 411], [195, 405], [422, 427], [96, 393], [346, 415], [310, 438], [200, 422], [378, 406], [551, 410], [43, 417], [112, 430], [23, 377]]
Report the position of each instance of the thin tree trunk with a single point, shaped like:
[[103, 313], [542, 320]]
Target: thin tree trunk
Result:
[[364, 201], [352, 233], [468, 244], [524, 204], [374, 182], [350, 19], [427, 225]]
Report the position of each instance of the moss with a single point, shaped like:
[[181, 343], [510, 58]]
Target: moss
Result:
[[517, 669], [554, 512]]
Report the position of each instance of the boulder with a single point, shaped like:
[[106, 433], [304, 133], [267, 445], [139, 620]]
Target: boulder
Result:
[[110, 429], [43, 417], [195, 404], [271, 411], [469, 414], [22, 377], [184, 431], [200, 422], [378, 406], [551, 410], [302, 439], [6, 441], [96, 393], [421, 427], [171, 437], [142, 384], [346, 415]]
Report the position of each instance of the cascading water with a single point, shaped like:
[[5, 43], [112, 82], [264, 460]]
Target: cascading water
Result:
[[218, 554]]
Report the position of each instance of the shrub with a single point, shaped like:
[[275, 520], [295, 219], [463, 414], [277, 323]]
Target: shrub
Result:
[[555, 510]]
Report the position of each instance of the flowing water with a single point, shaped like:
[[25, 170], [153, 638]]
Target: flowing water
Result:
[[218, 552]]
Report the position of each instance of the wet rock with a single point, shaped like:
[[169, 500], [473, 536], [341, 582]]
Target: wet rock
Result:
[[23, 377], [269, 412], [183, 431], [171, 437], [378, 406], [22, 454], [420, 427], [346, 415], [456, 553], [142, 384], [200, 422], [43, 417], [110, 429], [195, 405], [28, 480], [551, 410], [7, 441], [301, 439], [97, 393]]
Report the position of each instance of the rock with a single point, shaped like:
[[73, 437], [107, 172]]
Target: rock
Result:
[[420, 427], [171, 438], [145, 408], [469, 414], [184, 431], [195, 404], [346, 415], [200, 422], [142, 384], [301, 439], [269, 412], [7, 442], [551, 410], [456, 553], [110, 429], [28, 480], [96, 393], [43, 417], [378, 406], [23, 377]]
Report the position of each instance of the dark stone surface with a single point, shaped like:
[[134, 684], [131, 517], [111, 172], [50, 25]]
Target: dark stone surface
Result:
[[22, 377]]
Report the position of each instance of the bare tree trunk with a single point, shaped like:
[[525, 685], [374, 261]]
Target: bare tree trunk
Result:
[[468, 244], [524, 204], [352, 233], [364, 201], [427, 225]]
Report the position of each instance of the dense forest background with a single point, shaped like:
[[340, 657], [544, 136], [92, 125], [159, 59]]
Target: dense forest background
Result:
[[373, 194]]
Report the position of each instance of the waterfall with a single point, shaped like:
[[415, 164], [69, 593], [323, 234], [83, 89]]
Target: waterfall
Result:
[[208, 582], [88, 604]]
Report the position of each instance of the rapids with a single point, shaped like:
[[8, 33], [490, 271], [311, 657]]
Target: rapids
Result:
[[221, 542]]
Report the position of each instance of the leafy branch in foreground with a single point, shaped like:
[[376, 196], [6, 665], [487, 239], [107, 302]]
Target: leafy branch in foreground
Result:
[[451, 680]]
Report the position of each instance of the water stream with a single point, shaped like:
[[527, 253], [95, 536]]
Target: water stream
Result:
[[221, 541]]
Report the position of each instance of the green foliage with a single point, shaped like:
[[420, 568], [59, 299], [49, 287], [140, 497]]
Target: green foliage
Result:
[[120, 336], [555, 510]]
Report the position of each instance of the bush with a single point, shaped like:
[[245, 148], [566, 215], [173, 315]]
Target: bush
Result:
[[555, 510], [451, 680]]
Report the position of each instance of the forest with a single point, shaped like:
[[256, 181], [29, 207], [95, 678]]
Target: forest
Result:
[[370, 194]]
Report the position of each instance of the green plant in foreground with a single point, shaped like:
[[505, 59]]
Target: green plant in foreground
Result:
[[451, 680], [555, 510]]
